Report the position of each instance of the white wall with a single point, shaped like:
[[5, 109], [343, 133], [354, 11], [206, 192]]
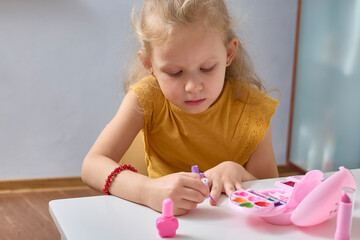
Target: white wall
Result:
[[268, 30], [60, 75]]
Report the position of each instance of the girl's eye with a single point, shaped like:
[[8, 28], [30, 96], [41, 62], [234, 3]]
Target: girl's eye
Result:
[[177, 74], [207, 69]]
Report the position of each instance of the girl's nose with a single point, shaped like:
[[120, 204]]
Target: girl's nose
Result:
[[193, 86]]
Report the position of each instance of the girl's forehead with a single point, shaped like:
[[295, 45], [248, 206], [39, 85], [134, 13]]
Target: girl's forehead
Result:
[[162, 32], [189, 44], [194, 33]]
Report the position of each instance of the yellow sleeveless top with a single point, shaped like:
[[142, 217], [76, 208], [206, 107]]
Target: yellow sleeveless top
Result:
[[227, 131]]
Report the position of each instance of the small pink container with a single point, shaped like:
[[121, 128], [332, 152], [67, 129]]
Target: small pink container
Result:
[[167, 224]]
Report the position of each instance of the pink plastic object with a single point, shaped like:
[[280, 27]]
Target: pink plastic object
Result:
[[167, 224], [310, 202], [343, 221], [323, 201]]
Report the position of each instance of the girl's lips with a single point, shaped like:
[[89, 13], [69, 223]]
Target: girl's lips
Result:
[[195, 102]]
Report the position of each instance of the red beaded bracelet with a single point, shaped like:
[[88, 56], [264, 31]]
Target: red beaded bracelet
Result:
[[113, 175]]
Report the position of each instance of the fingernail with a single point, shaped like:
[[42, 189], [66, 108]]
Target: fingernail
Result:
[[212, 198]]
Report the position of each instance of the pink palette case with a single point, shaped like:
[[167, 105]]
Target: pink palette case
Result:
[[300, 200]]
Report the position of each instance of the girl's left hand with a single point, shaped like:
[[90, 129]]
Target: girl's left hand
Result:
[[225, 177]]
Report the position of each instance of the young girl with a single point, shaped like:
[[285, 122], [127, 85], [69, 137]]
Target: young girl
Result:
[[199, 102]]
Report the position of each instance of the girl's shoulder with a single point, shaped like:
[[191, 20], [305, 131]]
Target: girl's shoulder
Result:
[[146, 85], [247, 93], [148, 92]]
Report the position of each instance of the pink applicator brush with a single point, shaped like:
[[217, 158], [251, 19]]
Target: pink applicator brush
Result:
[[343, 221]]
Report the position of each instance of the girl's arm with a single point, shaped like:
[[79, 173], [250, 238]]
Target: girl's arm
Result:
[[185, 189], [227, 176], [262, 163], [109, 148]]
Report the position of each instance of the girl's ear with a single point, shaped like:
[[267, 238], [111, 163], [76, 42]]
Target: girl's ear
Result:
[[145, 61], [232, 48]]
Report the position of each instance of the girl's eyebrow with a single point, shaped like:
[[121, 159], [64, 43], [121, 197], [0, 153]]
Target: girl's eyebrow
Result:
[[212, 59], [169, 67]]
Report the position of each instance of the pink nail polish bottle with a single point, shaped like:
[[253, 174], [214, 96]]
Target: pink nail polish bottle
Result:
[[167, 223]]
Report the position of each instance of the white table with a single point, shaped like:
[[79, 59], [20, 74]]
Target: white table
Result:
[[109, 217]]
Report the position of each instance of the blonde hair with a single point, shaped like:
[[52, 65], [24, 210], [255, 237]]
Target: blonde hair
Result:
[[159, 17]]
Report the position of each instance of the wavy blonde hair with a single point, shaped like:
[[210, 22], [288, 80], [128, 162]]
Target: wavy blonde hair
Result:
[[159, 17]]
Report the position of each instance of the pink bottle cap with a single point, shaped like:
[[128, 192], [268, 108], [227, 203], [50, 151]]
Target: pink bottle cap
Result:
[[167, 208]]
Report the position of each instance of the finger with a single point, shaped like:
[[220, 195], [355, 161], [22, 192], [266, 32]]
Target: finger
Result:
[[209, 183], [188, 194], [229, 188], [215, 192], [180, 211], [197, 185], [238, 186], [190, 175], [186, 205]]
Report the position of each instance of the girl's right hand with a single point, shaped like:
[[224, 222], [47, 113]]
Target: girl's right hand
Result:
[[185, 190]]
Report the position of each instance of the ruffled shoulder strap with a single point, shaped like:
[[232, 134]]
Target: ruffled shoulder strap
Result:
[[148, 92]]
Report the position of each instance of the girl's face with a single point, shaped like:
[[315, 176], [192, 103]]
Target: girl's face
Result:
[[190, 67]]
